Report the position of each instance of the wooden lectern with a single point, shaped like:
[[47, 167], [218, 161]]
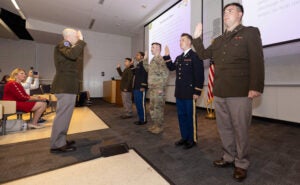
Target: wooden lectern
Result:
[[112, 92]]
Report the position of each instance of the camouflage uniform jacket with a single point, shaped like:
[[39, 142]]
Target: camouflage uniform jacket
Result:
[[158, 73]]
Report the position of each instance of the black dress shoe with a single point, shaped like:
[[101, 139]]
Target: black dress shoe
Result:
[[180, 142], [140, 122], [70, 142], [189, 144], [222, 163], [63, 149], [239, 174]]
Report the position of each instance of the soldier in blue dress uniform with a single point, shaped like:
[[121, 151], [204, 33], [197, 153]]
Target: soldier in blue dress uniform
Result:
[[188, 87]]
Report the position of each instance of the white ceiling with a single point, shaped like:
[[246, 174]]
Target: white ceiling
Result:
[[122, 17]]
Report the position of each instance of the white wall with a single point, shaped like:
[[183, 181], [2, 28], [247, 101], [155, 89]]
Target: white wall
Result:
[[102, 53], [24, 54], [138, 42]]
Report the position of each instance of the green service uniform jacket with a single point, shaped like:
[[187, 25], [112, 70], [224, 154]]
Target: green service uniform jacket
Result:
[[126, 80], [67, 59], [239, 61]]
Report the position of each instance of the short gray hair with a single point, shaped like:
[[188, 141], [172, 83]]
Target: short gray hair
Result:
[[68, 32]]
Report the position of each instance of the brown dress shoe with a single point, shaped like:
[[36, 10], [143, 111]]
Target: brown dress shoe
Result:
[[239, 174], [222, 163]]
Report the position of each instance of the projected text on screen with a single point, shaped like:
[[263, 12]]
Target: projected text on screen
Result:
[[168, 27], [277, 20]]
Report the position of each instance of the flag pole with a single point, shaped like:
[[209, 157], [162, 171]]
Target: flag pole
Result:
[[210, 95], [210, 111]]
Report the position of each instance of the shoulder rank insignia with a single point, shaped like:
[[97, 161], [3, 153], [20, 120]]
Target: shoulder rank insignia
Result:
[[67, 44]]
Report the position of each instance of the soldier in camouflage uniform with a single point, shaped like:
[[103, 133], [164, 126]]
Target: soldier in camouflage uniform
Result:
[[157, 81]]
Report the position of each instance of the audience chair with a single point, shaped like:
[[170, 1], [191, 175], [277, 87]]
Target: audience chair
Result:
[[1, 113], [9, 108], [45, 92], [45, 88]]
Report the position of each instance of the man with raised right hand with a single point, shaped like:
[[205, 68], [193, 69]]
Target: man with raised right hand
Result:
[[239, 78], [68, 55]]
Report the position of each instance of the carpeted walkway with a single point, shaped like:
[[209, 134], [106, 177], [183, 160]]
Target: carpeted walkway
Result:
[[274, 152], [33, 157]]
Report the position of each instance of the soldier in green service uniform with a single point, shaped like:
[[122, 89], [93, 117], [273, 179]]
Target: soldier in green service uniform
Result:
[[239, 78], [157, 81], [68, 55]]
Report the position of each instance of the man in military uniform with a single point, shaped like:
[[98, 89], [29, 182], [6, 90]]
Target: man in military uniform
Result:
[[157, 81], [126, 87], [188, 87], [68, 54], [140, 85], [239, 77]]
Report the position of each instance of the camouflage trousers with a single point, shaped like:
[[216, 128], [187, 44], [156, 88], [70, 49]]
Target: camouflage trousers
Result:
[[157, 105]]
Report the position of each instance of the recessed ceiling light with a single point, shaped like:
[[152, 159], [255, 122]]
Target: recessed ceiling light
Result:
[[15, 4], [18, 9]]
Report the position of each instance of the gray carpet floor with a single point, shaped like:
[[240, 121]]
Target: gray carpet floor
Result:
[[274, 150], [28, 158]]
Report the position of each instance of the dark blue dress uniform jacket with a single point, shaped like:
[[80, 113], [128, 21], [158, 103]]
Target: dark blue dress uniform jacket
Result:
[[140, 76], [189, 74]]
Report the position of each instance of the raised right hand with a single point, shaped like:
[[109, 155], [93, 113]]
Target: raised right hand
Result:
[[167, 50], [146, 55], [118, 65], [198, 30], [79, 35]]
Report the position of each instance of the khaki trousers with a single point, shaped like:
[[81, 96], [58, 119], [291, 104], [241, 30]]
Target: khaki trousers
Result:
[[233, 116], [64, 110], [127, 103]]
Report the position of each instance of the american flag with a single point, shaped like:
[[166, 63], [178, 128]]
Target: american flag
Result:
[[211, 75]]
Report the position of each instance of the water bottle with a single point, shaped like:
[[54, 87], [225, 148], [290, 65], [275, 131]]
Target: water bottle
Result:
[[24, 126]]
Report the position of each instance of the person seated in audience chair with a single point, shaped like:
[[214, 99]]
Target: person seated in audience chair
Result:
[[13, 90], [4, 79], [32, 82]]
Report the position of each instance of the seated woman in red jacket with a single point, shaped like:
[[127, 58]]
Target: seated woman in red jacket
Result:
[[13, 90]]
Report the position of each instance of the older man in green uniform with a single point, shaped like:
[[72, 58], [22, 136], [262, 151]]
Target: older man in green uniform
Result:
[[157, 81], [239, 77], [68, 56]]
